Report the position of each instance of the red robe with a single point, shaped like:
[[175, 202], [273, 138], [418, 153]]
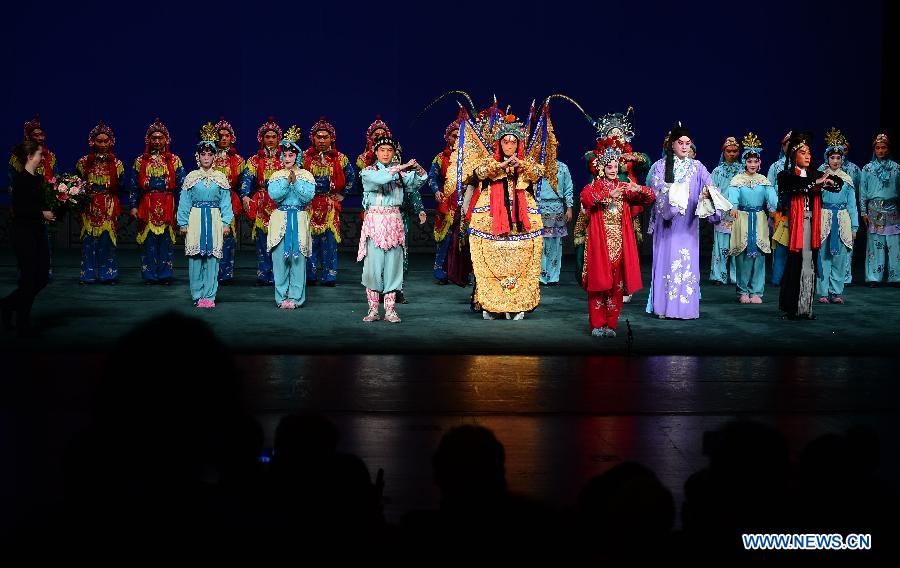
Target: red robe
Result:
[[597, 272]]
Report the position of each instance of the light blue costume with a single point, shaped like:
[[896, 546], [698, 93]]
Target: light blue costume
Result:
[[204, 209], [854, 172], [879, 185], [839, 223], [753, 196], [554, 203], [289, 240], [382, 243], [720, 269]]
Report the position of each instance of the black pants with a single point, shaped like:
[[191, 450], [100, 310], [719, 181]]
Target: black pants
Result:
[[33, 257]]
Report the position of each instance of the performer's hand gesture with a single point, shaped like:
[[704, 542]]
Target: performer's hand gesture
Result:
[[568, 214], [422, 217], [704, 194], [226, 230], [616, 193], [822, 181], [246, 202], [633, 186], [49, 215], [183, 231], [439, 197], [733, 213], [134, 212]]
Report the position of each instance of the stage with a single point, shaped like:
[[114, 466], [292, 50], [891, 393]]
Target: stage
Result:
[[438, 319]]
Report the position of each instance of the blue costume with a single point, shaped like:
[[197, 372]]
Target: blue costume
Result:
[[753, 197], [721, 268], [878, 193], [204, 209], [382, 243], [554, 203], [288, 238]]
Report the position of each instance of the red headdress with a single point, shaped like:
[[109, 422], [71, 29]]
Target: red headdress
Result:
[[337, 176], [157, 126], [111, 170], [269, 126], [31, 126]]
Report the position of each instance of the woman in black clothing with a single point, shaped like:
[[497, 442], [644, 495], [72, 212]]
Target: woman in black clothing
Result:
[[29, 238]]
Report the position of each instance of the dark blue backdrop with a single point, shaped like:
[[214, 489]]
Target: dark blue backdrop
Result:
[[722, 68]]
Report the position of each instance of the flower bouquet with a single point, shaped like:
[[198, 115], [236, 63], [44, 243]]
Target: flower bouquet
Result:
[[66, 192]]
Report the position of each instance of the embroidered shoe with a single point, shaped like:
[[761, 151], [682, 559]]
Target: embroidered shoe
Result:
[[610, 332], [744, 299], [488, 315], [287, 305], [391, 316], [599, 332], [372, 316], [824, 300], [626, 299], [519, 316], [837, 300], [755, 300]]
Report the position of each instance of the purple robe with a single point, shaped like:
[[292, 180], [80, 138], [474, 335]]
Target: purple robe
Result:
[[675, 288]]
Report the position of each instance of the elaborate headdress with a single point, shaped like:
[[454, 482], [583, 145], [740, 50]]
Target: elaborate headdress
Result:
[[208, 135], [610, 154], [31, 126], [157, 126], [101, 128], [111, 170], [224, 124], [322, 124], [752, 147], [378, 124], [511, 126], [730, 142], [616, 120], [269, 126], [883, 138], [834, 143], [291, 140]]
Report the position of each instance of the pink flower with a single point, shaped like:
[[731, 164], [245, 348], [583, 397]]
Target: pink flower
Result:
[[62, 187], [53, 179], [62, 197]]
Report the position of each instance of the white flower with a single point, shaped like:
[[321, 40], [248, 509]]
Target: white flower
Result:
[[676, 265], [689, 290], [685, 254], [678, 278], [684, 300]]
